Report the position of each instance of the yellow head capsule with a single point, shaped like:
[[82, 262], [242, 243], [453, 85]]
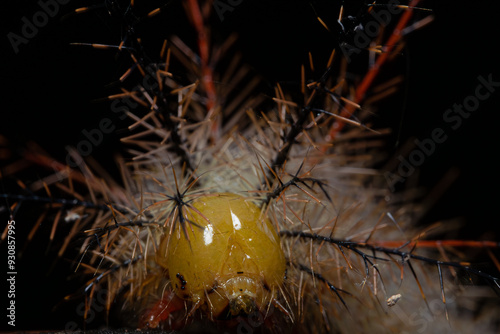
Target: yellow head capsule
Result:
[[227, 256]]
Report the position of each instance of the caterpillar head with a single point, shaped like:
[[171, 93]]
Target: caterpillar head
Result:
[[224, 257]]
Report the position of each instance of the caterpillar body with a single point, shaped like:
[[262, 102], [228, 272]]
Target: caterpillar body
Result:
[[244, 212]]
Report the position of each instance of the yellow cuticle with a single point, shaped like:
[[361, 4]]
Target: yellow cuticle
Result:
[[228, 254]]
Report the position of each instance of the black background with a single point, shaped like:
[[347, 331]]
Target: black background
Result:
[[48, 88]]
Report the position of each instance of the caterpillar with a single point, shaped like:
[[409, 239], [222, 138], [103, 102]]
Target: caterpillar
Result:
[[238, 211]]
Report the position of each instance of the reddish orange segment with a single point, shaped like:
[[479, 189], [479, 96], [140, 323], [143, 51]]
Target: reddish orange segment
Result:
[[161, 311]]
